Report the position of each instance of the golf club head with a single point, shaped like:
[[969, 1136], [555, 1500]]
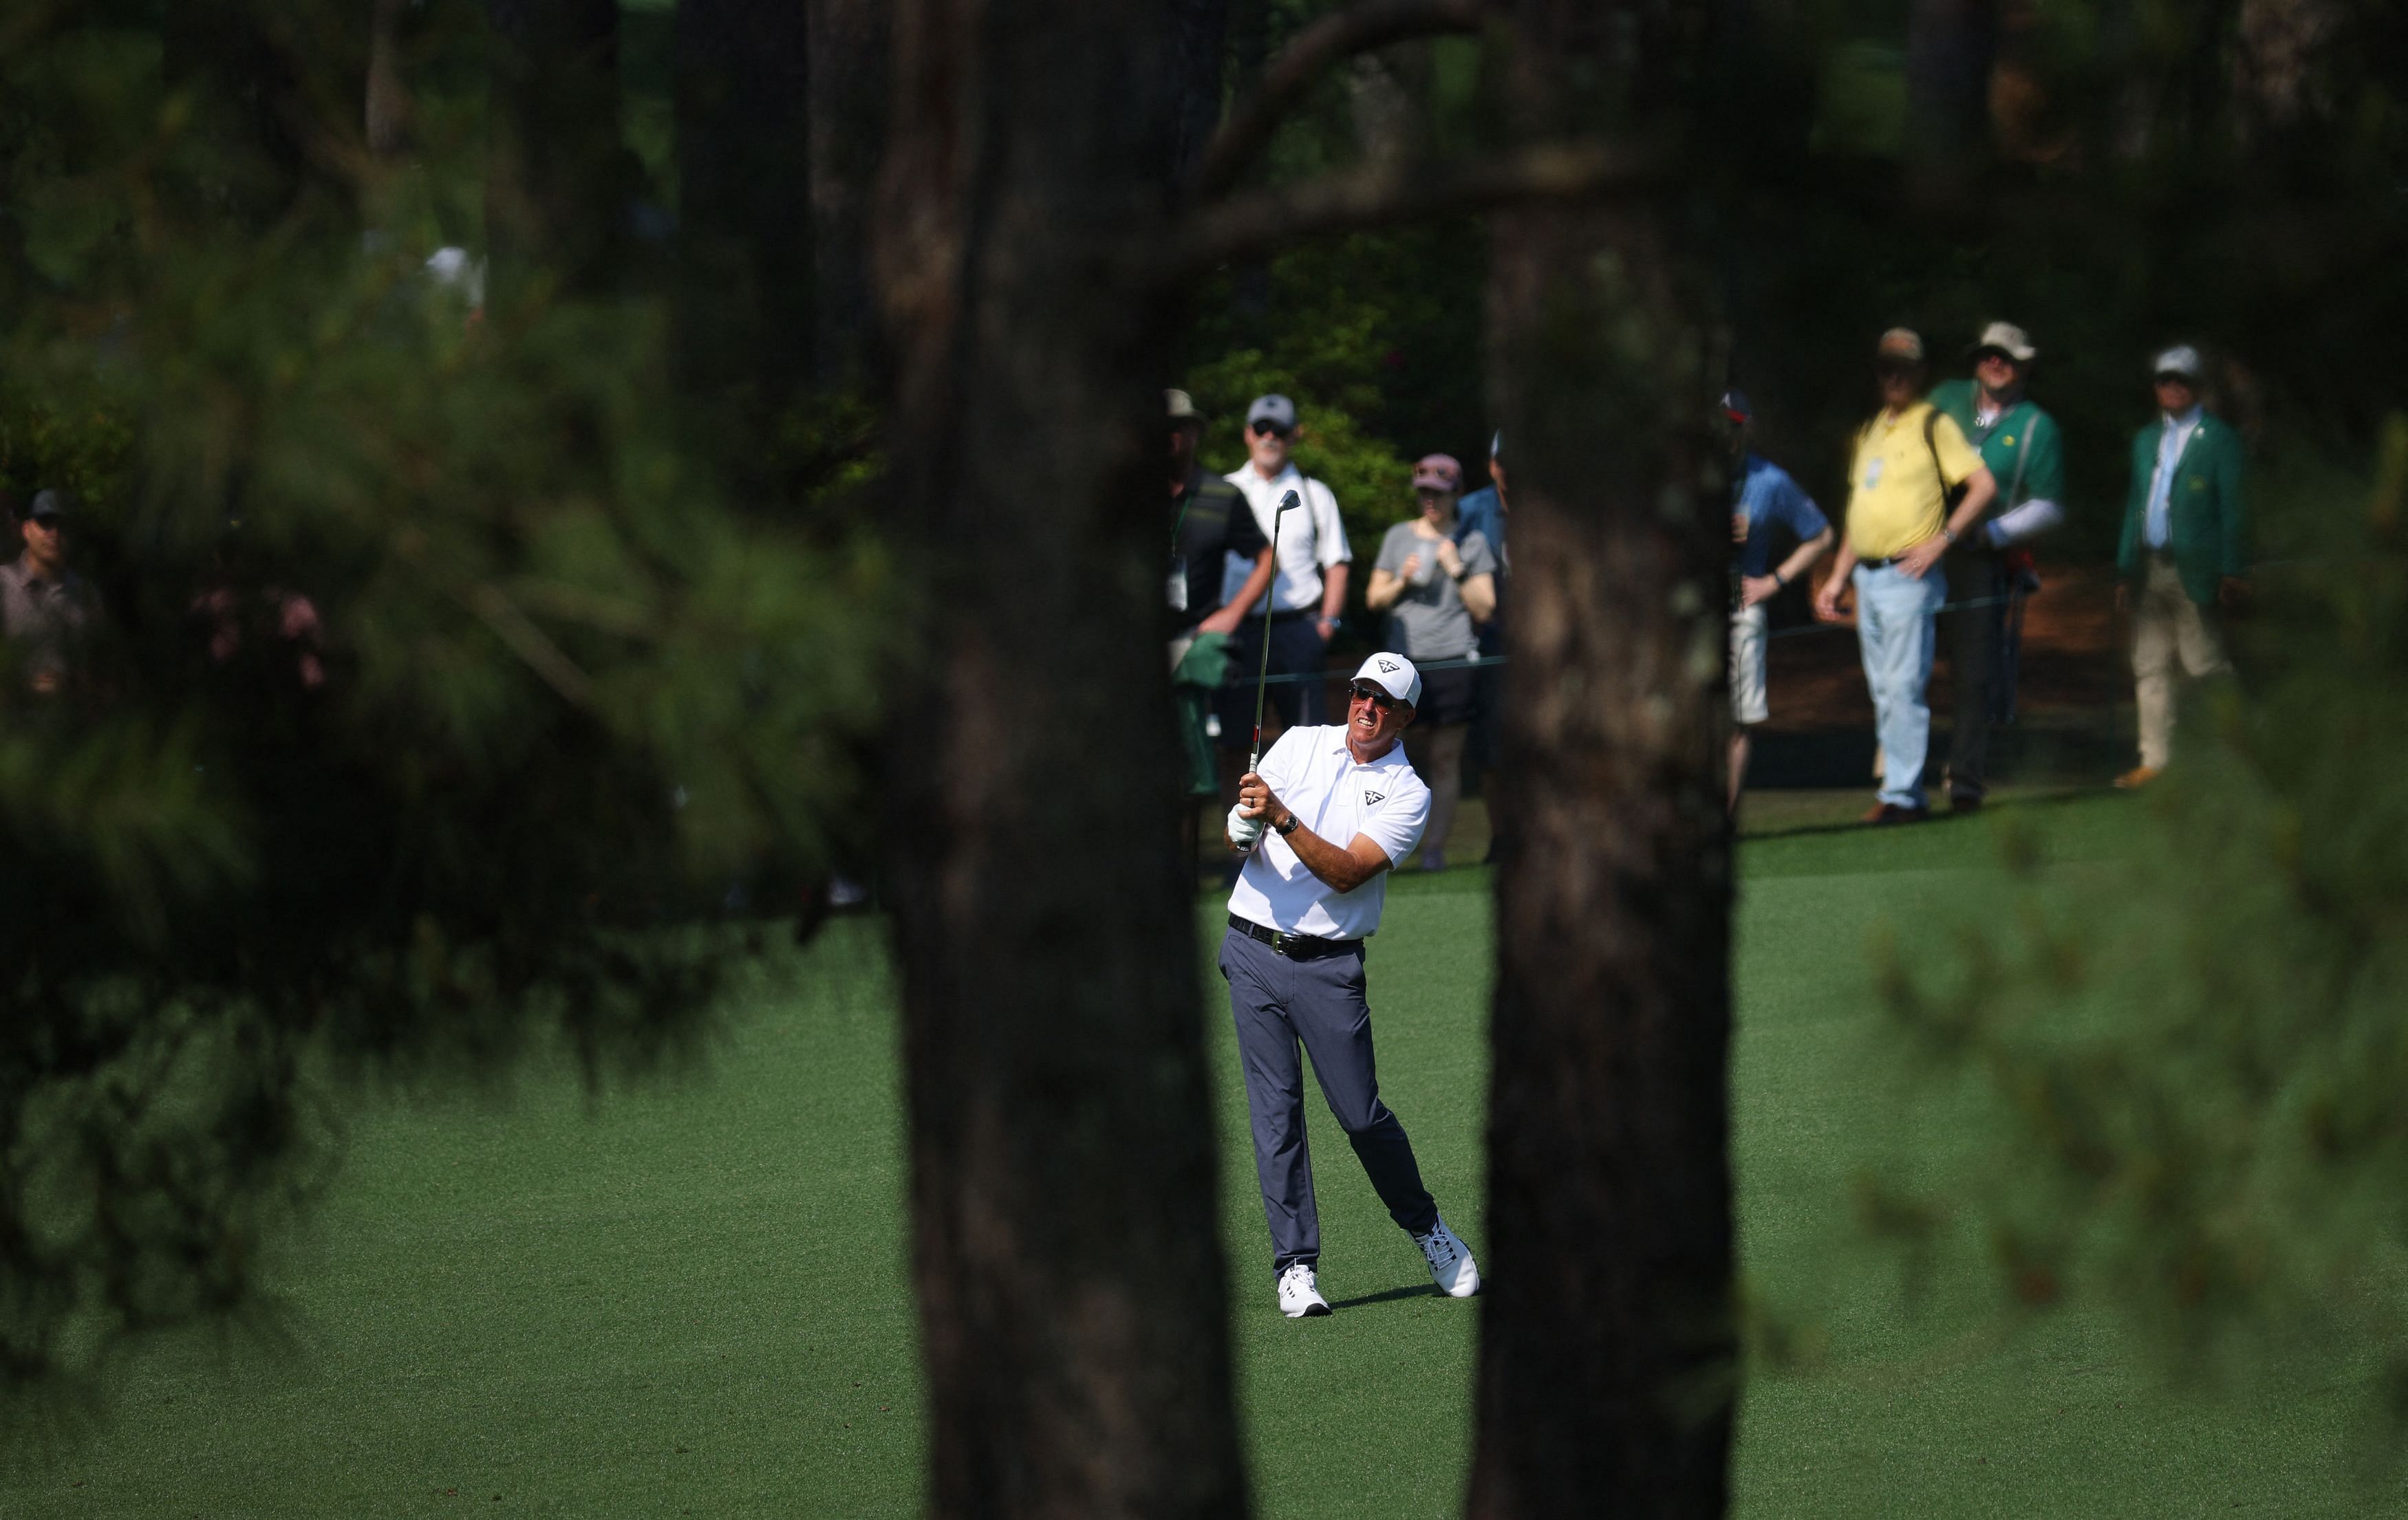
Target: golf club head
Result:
[[1285, 501]]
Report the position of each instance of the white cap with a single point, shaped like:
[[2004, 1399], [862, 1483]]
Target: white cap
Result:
[[2182, 358], [1394, 674], [2008, 339]]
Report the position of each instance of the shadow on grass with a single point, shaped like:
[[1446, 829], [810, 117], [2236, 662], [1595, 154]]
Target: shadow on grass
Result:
[[1938, 819], [1425, 1290]]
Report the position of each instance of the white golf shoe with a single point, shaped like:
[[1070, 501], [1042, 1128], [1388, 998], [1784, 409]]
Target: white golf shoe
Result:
[[1300, 1292], [1451, 1266]]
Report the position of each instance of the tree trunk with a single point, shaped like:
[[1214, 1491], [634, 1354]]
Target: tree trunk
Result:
[[1064, 1194], [554, 190], [744, 221], [852, 76], [1608, 1371], [1951, 46], [387, 108]]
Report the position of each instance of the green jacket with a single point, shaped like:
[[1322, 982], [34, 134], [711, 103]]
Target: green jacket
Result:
[[2210, 529], [2023, 436]]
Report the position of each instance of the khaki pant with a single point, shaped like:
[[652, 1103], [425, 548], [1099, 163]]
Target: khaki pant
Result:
[[2166, 625]]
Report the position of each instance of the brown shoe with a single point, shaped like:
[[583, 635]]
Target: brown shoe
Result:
[[2139, 775], [1888, 813]]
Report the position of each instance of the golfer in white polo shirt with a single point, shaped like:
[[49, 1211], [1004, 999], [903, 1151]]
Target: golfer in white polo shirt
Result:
[[1327, 813]]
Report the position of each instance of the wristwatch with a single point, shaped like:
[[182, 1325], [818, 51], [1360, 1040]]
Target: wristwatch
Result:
[[1284, 829], [1947, 532]]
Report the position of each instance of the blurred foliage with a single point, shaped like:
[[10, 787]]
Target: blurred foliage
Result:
[[445, 693], [2194, 1054]]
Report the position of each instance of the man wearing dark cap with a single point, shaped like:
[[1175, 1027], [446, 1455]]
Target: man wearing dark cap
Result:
[[1308, 591], [2019, 443], [2185, 551], [45, 607]]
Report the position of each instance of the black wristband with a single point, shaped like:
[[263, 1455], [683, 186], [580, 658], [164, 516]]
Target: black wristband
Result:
[[1284, 829]]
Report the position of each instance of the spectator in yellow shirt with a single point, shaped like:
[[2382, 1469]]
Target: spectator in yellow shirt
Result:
[[1908, 460]]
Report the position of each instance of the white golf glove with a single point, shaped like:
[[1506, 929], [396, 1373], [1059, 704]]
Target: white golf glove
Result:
[[1244, 832]]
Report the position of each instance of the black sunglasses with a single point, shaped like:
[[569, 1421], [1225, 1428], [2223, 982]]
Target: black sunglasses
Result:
[[1371, 694], [1270, 429]]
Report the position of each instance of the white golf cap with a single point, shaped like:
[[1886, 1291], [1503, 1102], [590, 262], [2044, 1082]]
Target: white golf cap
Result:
[[2008, 339], [2182, 358], [1395, 676]]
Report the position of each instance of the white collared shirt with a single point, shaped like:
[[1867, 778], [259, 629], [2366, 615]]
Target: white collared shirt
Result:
[[1311, 538], [2157, 521], [1313, 772]]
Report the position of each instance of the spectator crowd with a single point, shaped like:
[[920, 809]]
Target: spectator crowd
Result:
[[1948, 486]]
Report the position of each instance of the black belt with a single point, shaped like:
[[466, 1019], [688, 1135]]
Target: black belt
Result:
[[1293, 947], [1876, 564], [1289, 614]]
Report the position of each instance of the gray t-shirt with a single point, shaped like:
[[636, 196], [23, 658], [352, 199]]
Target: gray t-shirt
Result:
[[1429, 621]]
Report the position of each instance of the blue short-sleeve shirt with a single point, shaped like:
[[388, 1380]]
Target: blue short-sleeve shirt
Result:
[[1772, 500]]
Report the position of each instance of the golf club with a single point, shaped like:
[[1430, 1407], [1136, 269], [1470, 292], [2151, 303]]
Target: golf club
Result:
[[1263, 675]]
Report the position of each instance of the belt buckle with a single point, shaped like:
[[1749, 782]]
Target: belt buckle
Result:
[[1284, 944]]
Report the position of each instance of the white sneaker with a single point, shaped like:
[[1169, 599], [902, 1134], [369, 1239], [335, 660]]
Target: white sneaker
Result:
[[1451, 1266], [1300, 1292]]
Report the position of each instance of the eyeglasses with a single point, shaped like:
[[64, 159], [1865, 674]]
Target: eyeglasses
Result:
[[1372, 694], [1995, 356]]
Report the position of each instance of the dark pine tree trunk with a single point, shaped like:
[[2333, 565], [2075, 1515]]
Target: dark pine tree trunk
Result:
[[554, 191], [744, 220], [1607, 1365], [1065, 1249], [851, 81]]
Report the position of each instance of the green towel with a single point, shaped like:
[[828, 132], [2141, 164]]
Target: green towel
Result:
[[1206, 662], [1200, 669]]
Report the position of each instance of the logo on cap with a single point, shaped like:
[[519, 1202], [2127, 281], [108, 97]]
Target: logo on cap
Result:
[[1387, 667]]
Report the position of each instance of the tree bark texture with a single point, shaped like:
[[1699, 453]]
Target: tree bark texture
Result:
[[1608, 1369], [554, 193], [851, 71], [744, 212], [1066, 1250]]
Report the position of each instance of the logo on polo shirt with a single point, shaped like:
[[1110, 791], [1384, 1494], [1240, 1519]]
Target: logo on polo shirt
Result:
[[1373, 799]]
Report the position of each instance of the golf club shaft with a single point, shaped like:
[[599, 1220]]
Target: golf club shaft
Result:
[[1262, 675]]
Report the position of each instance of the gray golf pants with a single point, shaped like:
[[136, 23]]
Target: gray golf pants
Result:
[[1278, 1002]]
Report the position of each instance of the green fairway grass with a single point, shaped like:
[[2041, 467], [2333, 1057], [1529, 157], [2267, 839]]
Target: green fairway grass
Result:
[[690, 1297]]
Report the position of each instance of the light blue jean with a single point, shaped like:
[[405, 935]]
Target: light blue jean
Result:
[[1895, 624]]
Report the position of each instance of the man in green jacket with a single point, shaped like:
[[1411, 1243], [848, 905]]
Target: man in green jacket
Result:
[[2184, 554], [2020, 444]]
